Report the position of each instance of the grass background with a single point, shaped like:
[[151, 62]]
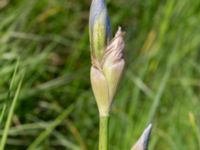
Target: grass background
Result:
[[47, 40]]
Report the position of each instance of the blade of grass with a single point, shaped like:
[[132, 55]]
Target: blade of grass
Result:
[[2, 113], [9, 90], [10, 114], [13, 79]]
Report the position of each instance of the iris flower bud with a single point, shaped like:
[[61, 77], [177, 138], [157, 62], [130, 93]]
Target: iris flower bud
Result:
[[107, 57], [99, 28], [107, 67]]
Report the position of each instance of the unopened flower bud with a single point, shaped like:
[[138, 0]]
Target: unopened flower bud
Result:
[[142, 143], [99, 28], [107, 57]]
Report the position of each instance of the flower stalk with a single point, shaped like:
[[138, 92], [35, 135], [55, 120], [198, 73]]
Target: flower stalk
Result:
[[106, 70], [103, 133]]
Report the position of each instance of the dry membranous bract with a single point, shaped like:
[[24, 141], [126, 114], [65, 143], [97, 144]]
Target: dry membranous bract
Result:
[[105, 74]]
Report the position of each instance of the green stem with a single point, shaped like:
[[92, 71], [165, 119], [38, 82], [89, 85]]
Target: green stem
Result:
[[103, 133]]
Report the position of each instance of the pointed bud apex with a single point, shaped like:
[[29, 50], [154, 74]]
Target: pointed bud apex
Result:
[[142, 143], [99, 27]]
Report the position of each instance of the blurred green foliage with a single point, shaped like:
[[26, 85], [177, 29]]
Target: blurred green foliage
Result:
[[56, 108]]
